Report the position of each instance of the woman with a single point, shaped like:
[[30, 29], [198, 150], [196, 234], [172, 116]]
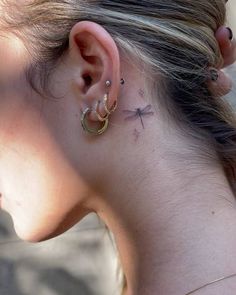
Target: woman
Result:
[[107, 107]]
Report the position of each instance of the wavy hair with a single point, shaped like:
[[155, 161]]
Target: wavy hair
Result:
[[175, 41]]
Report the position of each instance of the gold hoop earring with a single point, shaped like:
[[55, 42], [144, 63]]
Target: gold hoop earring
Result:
[[113, 108], [88, 129], [100, 118]]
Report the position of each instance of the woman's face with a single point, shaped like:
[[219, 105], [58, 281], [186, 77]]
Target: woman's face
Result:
[[39, 152]]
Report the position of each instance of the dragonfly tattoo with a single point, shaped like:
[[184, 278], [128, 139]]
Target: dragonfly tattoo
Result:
[[138, 113]]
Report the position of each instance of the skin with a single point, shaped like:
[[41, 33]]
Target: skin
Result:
[[53, 173], [33, 164]]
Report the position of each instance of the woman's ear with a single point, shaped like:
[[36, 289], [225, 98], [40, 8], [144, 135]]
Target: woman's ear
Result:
[[95, 57]]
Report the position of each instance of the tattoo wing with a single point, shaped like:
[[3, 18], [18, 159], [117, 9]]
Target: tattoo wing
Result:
[[148, 113], [132, 117], [146, 109], [129, 112]]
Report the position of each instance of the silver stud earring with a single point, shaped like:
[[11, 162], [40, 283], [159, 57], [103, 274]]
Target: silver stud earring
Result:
[[108, 83]]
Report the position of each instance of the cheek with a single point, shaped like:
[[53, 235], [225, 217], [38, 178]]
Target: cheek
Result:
[[41, 191], [13, 56], [43, 201]]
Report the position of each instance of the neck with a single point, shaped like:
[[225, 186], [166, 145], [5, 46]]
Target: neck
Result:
[[172, 215], [174, 231], [179, 243]]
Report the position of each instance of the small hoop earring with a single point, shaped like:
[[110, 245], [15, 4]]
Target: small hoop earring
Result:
[[88, 129], [113, 108], [100, 118]]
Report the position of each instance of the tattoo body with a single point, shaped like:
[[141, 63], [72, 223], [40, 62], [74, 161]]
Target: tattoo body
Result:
[[138, 113]]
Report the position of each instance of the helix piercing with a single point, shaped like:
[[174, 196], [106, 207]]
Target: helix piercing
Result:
[[231, 35], [108, 82], [214, 75]]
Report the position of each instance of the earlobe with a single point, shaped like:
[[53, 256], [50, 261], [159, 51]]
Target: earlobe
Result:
[[95, 53]]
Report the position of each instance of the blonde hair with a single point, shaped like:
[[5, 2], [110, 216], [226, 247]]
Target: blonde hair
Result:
[[173, 38]]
